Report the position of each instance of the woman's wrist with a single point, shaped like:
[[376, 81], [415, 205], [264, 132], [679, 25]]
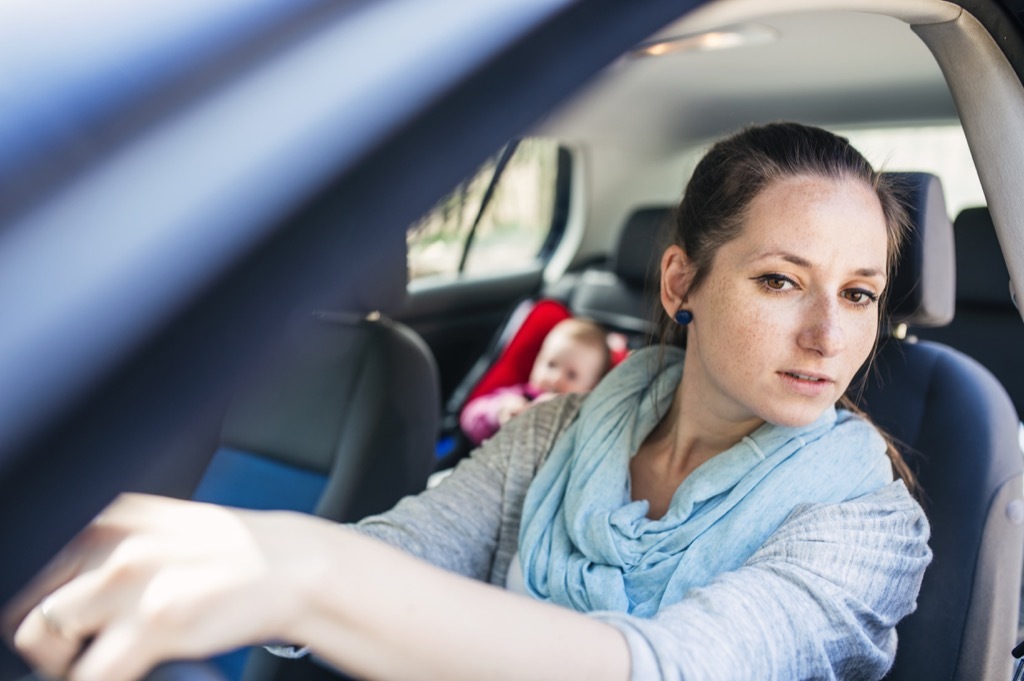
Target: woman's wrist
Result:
[[298, 568]]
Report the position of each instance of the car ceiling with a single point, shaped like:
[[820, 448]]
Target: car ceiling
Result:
[[640, 123], [828, 67]]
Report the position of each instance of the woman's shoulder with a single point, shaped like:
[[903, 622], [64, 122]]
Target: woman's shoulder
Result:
[[891, 512], [540, 425], [875, 545]]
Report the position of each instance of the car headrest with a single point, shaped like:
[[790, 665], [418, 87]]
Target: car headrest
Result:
[[984, 279], [637, 250], [924, 288]]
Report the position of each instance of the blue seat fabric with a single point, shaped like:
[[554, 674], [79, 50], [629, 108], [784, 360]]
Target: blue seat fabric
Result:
[[957, 428]]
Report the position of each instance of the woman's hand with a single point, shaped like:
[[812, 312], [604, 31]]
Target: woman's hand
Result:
[[153, 579]]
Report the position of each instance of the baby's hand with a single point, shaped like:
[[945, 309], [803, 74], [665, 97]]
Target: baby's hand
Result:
[[511, 405], [544, 397]]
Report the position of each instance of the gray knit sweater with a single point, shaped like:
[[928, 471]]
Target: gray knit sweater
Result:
[[819, 600]]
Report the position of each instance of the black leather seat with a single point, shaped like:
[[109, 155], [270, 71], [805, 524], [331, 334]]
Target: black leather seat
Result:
[[987, 325], [617, 297], [958, 429], [340, 419]]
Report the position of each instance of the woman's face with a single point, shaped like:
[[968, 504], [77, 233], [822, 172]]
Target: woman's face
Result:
[[788, 312]]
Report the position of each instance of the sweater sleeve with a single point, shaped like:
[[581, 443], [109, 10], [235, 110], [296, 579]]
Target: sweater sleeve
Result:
[[819, 600], [465, 523]]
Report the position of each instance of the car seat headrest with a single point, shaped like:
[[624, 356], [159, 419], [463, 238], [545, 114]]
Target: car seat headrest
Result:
[[637, 252], [923, 290], [984, 279]]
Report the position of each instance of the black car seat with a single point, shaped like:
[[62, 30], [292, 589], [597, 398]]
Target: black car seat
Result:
[[987, 325], [958, 430], [617, 296], [340, 419]]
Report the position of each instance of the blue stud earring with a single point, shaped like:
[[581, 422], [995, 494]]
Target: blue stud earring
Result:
[[683, 317]]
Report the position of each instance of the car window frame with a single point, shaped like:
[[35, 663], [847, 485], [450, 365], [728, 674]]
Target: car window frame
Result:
[[135, 414]]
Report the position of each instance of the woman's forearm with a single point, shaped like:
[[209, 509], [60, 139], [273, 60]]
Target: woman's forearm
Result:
[[380, 614]]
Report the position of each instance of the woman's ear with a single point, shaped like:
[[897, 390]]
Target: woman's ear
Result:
[[676, 274]]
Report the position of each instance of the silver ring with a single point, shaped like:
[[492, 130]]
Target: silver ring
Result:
[[53, 622]]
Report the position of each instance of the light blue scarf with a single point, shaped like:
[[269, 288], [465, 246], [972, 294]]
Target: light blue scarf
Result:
[[584, 544]]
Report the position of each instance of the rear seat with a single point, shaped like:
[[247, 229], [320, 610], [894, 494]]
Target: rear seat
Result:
[[987, 325], [615, 296]]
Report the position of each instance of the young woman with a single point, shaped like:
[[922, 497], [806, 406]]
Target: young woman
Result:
[[703, 514]]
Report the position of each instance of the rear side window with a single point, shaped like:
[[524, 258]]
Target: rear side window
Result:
[[938, 149], [506, 217]]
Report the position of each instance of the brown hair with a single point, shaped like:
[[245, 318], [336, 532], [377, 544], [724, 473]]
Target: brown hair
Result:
[[735, 170]]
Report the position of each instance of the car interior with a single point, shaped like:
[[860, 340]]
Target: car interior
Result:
[[213, 237]]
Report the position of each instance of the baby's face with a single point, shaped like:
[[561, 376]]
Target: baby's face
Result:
[[565, 365]]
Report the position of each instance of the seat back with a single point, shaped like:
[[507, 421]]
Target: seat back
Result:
[[958, 430], [987, 325], [339, 419], [618, 297]]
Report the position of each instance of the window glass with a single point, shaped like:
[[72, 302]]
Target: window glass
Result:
[[940, 149], [515, 224]]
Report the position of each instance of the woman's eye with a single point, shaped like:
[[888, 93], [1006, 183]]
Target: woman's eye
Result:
[[776, 282], [859, 296]]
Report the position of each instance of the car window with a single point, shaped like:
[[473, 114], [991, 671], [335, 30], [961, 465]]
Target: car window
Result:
[[938, 149], [520, 220]]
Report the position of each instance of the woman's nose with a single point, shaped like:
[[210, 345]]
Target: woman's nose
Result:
[[822, 330]]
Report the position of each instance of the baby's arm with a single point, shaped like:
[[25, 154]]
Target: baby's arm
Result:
[[484, 415]]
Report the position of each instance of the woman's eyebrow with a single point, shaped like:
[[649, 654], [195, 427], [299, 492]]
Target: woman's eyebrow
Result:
[[804, 262], [787, 256], [871, 272]]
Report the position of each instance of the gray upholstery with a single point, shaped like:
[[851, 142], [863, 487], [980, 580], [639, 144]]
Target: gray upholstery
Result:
[[923, 292]]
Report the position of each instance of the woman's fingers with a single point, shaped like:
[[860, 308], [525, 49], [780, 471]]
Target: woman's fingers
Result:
[[152, 579], [53, 632], [64, 566], [118, 654], [42, 640], [127, 514], [87, 550]]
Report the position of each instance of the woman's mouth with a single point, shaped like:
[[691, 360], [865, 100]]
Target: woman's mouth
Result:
[[810, 385], [805, 377]]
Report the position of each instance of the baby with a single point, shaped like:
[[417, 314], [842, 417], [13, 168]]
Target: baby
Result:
[[573, 359]]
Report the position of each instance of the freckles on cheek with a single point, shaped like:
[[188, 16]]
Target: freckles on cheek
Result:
[[744, 335]]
